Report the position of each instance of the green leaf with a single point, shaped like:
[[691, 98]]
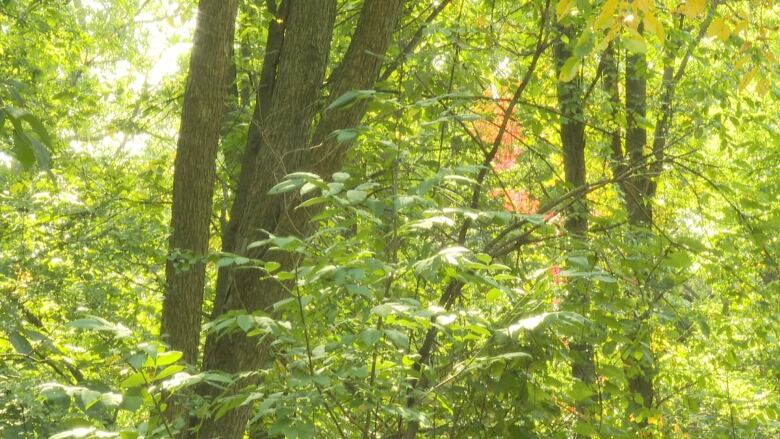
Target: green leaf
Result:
[[245, 322], [303, 175], [370, 336], [20, 343], [569, 69], [98, 324], [134, 380], [38, 128], [285, 186], [493, 295], [356, 196], [580, 391], [398, 337], [308, 187], [350, 98], [635, 43], [513, 356], [581, 261], [387, 309], [181, 379], [585, 44], [679, 259], [23, 149], [89, 397], [165, 358], [534, 322], [168, 371], [111, 399], [80, 432], [229, 260], [340, 177], [347, 134], [564, 7]]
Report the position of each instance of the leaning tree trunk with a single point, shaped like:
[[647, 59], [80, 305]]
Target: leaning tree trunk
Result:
[[286, 146], [194, 174], [572, 132]]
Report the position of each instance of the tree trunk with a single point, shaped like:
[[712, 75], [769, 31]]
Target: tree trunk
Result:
[[285, 146], [638, 203], [639, 211], [194, 175], [572, 133]]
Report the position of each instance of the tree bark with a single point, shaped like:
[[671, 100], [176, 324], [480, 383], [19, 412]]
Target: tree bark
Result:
[[286, 146], [293, 104], [640, 210], [194, 175], [572, 132], [640, 206]]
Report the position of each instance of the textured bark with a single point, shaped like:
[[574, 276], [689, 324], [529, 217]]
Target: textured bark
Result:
[[286, 146], [637, 191], [638, 202], [273, 47], [619, 164], [194, 173], [413, 42], [572, 132], [293, 104], [639, 210], [193, 180]]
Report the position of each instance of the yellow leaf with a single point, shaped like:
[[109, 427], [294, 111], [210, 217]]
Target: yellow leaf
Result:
[[740, 26], [770, 57], [564, 7], [654, 26], [720, 29], [606, 15], [748, 79], [643, 5], [694, 8], [655, 420], [612, 34], [762, 87]]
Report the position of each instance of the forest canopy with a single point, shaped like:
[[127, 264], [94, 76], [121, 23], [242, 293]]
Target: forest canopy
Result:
[[389, 219]]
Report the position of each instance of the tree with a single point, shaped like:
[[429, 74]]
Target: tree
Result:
[[194, 176], [450, 219], [282, 146]]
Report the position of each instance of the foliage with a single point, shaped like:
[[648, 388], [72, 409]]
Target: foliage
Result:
[[438, 285]]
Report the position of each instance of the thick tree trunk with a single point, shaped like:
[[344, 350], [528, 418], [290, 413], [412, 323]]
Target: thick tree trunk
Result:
[[255, 138], [194, 174], [285, 146], [294, 98], [572, 133]]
